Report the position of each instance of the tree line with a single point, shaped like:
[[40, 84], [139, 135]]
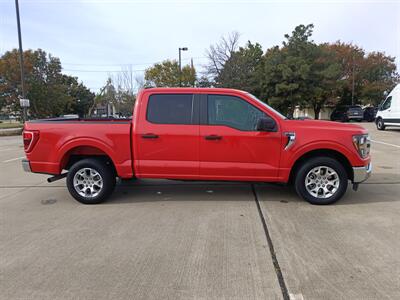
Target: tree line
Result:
[[50, 92], [299, 72]]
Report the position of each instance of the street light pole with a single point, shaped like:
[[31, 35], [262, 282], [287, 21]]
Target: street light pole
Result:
[[21, 60], [352, 84], [180, 64]]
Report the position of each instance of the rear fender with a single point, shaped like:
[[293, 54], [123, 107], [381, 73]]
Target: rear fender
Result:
[[89, 142]]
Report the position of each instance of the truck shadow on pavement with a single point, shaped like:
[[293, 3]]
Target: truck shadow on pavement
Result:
[[382, 187], [138, 191]]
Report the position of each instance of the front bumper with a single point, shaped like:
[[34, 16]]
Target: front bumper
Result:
[[362, 173], [26, 165]]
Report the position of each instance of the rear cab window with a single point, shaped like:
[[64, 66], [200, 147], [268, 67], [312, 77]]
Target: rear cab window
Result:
[[170, 109]]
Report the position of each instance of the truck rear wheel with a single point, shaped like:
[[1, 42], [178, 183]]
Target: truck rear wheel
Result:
[[91, 181], [321, 180]]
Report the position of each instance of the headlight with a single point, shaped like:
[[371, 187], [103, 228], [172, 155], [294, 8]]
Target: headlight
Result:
[[362, 143]]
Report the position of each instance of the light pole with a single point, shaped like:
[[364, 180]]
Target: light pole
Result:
[[180, 64], [21, 61], [352, 83]]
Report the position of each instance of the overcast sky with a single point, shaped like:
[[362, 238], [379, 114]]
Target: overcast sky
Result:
[[93, 38]]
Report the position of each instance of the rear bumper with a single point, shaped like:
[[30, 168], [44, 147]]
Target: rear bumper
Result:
[[26, 165], [362, 173]]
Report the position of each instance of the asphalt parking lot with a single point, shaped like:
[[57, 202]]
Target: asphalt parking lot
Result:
[[173, 240]]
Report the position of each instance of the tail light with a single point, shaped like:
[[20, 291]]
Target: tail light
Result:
[[30, 139]]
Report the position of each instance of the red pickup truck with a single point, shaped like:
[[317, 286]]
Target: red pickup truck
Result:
[[199, 134]]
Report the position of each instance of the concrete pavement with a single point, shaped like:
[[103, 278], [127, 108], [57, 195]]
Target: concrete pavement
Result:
[[172, 240]]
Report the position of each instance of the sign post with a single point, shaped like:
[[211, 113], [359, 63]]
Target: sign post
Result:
[[24, 103]]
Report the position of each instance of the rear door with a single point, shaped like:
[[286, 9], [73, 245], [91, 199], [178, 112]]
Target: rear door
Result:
[[167, 136], [230, 146]]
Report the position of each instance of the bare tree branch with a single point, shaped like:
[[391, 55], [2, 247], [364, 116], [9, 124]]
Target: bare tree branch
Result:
[[219, 53]]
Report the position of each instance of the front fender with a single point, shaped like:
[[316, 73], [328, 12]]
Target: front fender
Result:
[[290, 156], [319, 145]]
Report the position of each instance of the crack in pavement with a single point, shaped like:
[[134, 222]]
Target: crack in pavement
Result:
[[278, 272]]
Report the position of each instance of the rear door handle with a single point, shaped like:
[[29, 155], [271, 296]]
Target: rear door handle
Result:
[[213, 137], [150, 136]]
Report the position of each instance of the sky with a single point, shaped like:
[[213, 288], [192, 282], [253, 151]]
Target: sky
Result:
[[95, 39]]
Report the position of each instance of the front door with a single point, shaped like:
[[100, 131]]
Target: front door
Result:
[[230, 146], [167, 137], [386, 110]]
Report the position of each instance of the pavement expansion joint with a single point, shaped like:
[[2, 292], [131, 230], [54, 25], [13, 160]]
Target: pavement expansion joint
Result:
[[275, 262]]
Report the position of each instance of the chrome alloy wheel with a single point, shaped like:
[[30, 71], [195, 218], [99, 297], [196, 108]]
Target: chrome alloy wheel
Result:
[[322, 182], [88, 182]]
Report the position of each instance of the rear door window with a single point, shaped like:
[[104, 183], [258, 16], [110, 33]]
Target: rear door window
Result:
[[170, 109]]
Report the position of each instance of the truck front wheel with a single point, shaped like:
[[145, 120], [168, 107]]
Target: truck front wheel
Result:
[[321, 180], [91, 180]]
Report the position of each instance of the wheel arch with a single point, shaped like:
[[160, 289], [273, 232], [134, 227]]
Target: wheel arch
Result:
[[323, 152], [78, 150]]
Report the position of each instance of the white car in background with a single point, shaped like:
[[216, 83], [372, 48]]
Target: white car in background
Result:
[[389, 110]]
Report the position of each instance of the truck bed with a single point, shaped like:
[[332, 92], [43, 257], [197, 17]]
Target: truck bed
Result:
[[60, 139]]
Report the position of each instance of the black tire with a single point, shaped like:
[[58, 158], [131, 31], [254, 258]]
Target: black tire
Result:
[[380, 125], [108, 180], [309, 165]]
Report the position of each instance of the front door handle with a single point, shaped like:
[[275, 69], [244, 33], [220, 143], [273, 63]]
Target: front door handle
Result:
[[150, 136], [213, 137]]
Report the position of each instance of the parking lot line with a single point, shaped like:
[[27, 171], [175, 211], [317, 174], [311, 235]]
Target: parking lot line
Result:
[[12, 159], [387, 144]]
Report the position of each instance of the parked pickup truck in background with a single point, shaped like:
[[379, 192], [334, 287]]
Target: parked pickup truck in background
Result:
[[199, 134]]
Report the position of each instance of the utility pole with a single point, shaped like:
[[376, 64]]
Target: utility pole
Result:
[[180, 64], [352, 85], [21, 61], [192, 66]]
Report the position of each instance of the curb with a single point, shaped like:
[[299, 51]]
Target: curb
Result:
[[10, 132]]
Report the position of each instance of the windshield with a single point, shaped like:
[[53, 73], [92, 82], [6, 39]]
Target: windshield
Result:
[[266, 105]]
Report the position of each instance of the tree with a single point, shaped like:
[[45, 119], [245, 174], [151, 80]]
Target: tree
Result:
[[220, 53], [241, 70], [302, 73], [50, 92], [118, 92], [323, 83], [82, 97], [286, 71], [378, 76], [365, 77], [167, 74]]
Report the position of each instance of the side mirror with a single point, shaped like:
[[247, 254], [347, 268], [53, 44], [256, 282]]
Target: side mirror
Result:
[[266, 124]]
